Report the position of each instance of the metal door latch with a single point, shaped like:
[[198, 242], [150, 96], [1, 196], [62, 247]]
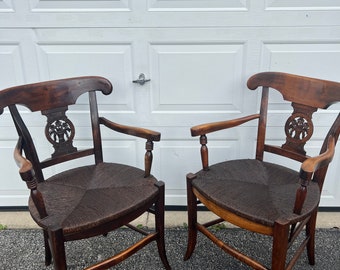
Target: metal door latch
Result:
[[141, 79]]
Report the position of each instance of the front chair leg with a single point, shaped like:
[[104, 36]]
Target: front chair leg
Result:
[[48, 254], [159, 223], [310, 231], [56, 239], [192, 217], [280, 245]]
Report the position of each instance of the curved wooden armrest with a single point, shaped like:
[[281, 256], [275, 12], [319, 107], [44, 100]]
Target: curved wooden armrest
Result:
[[215, 126], [312, 164], [150, 135], [27, 175], [308, 167], [24, 164]]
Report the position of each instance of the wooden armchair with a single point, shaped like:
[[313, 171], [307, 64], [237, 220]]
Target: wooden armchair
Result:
[[88, 200], [264, 197]]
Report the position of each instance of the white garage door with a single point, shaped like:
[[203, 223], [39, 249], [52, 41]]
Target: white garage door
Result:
[[197, 54]]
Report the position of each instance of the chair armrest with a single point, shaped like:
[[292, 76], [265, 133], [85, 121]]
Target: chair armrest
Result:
[[27, 174], [203, 129], [312, 164], [308, 167], [148, 134], [25, 166], [215, 126]]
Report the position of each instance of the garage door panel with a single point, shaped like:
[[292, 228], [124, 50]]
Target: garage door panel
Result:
[[213, 71], [111, 61], [302, 5], [74, 6], [11, 58], [215, 5], [306, 58]]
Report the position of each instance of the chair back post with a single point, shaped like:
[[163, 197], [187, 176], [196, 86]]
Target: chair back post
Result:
[[97, 142], [320, 175], [261, 133]]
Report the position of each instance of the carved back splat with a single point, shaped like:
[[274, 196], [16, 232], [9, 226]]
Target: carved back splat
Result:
[[307, 96], [59, 131], [52, 99], [299, 128]]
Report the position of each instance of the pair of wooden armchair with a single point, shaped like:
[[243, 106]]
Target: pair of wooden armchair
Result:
[[251, 193]]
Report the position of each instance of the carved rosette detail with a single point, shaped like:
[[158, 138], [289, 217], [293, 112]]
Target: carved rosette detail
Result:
[[60, 132], [299, 128]]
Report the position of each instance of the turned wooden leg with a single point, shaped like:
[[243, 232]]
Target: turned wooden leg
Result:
[[192, 217]]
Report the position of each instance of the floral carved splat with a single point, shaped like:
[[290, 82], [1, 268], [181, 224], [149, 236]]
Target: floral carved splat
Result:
[[59, 131], [299, 128]]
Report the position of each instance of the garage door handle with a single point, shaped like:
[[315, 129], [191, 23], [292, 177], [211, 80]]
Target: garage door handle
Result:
[[141, 79]]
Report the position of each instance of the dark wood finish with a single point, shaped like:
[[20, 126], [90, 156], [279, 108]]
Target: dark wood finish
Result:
[[89, 200], [263, 197]]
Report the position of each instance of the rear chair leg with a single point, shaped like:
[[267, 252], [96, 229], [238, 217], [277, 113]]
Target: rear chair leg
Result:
[[48, 254], [159, 219], [192, 217]]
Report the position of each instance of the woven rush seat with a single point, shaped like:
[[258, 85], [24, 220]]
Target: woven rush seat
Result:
[[104, 192], [233, 186]]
